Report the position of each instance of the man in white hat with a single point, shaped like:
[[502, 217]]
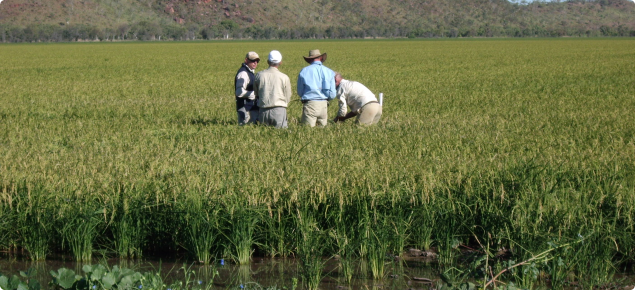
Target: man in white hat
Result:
[[316, 87], [246, 106], [273, 92], [362, 101]]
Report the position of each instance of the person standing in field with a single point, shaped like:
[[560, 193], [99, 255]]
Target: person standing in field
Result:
[[273, 92], [362, 101], [246, 105], [316, 87]]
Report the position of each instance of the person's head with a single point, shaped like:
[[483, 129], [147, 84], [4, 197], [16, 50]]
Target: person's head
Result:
[[275, 58], [315, 55], [338, 79], [252, 59]]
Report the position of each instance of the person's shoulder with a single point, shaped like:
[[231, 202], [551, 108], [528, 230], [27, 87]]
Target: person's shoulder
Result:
[[283, 75], [242, 75]]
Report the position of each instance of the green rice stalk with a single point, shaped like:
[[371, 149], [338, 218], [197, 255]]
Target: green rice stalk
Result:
[[311, 243], [345, 251], [34, 219], [423, 226], [277, 233], [241, 224], [80, 229], [378, 245], [130, 224], [201, 230]]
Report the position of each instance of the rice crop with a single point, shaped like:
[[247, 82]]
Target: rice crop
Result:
[[517, 147]]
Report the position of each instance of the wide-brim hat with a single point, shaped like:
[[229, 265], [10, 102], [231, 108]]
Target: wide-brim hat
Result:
[[313, 54]]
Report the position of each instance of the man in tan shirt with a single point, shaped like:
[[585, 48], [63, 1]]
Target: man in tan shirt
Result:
[[273, 90], [362, 101]]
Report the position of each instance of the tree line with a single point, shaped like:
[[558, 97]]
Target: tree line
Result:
[[146, 31]]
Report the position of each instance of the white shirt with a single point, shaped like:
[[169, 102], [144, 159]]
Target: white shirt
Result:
[[353, 94]]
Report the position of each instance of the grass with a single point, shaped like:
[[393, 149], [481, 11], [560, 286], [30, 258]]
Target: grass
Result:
[[519, 143]]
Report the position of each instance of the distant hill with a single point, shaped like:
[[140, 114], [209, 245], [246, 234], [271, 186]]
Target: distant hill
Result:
[[64, 20]]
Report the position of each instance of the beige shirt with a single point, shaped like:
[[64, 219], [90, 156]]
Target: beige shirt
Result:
[[353, 94], [273, 88]]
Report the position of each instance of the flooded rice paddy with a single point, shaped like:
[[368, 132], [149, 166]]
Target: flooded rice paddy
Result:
[[270, 273], [262, 273]]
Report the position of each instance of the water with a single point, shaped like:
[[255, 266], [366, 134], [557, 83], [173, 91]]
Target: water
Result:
[[260, 274], [263, 273]]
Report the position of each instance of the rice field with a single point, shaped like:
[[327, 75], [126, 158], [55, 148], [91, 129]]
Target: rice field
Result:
[[489, 153]]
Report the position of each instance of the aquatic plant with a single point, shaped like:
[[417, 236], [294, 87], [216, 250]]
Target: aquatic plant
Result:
[[15, 282]]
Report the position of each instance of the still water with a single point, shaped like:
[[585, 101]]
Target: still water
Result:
[[262, 273]]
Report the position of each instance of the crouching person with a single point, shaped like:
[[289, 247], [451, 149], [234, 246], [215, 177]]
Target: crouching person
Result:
[[273, 91], [362, 101]]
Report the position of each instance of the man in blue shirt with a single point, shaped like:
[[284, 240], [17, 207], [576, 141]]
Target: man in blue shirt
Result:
[[316, 87]]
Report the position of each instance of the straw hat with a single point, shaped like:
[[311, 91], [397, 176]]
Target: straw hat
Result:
[[313, 54]]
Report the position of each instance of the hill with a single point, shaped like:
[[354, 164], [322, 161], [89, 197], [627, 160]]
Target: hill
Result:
[[59, 20]]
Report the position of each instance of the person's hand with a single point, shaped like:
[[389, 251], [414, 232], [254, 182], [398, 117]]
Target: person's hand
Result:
[[251, 97]]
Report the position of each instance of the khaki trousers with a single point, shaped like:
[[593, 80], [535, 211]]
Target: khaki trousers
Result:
[[369, 114], [315, 111]]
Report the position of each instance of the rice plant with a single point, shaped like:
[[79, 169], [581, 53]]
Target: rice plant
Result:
[[311, 243], [345, 249], [381, 238], [423, 227], [201, 228], [81, 225], [34, 221], [527, 141], [129, 228], [276, 225], [241, 224]]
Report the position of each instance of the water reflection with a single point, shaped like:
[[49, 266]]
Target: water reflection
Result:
[[261, 273]]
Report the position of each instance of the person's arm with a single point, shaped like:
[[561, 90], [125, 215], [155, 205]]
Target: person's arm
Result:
[[242, 80], [256, 86], [287, 89], [329, 90], [348, 116], [300, 85], [341, 99]]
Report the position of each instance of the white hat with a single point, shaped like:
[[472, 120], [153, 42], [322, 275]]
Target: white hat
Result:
[[275, 56]]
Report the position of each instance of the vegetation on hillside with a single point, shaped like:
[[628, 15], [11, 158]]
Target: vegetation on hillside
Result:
[[64, 20]]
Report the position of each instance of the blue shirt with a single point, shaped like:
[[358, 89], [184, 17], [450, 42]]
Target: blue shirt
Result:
[[316, 83]]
